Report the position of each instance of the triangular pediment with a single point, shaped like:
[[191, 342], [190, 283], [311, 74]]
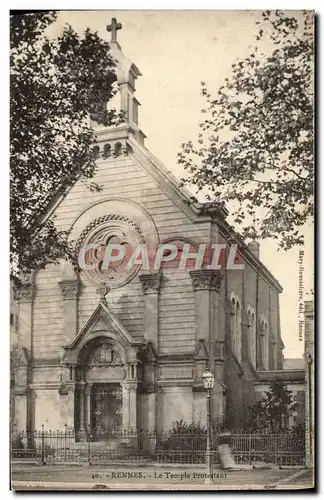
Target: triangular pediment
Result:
[[101, 323]]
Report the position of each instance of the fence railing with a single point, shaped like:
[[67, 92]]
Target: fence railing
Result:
[[285, 449]]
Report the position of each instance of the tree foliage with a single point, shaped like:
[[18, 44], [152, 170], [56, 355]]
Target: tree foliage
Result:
[[57, 87], [255, 146], [274, 409]]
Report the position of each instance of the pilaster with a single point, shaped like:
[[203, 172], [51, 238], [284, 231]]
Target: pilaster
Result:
[[82, 407], [70, 406], [132, 391], [204, 283], [151, 286], [274, 351], [87, 393], [67, 401], [69, 291], [148, 389], [67, 395], [23, 294], [210, 337]]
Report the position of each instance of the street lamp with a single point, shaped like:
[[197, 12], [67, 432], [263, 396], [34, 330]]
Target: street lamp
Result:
[[208, 381]]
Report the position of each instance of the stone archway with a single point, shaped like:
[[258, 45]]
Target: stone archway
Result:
[[101, 375], [102, 353]]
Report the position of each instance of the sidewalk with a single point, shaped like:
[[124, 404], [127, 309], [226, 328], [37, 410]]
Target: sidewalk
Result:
[[31, 477]]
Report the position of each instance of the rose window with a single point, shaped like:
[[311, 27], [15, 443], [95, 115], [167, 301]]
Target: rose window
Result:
[[108, 244]]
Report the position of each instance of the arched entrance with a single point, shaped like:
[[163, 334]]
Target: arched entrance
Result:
[[102, 368], [100, 387]]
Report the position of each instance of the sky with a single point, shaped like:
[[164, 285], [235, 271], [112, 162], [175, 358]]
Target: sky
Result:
[[175, 51]]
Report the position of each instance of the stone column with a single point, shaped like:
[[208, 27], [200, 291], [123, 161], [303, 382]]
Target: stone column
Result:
[[148, 394], [24, 296], [206, 284], [274, 350], [82, 407], [69, 290], [88, 406], [132, 391], [70, 406], [67, 393], [151, 285], [126, 409], [151, 407], [218, 394]]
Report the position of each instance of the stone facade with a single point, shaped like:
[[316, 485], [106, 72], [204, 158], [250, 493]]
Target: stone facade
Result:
[[153, 333]]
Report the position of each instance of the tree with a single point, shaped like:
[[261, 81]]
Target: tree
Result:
[[272, 411], [255, 145], [57, 87]]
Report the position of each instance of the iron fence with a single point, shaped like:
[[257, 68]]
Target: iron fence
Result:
[[285, 449]]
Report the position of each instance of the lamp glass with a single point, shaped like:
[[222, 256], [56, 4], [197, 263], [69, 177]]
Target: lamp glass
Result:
[[208, 379]]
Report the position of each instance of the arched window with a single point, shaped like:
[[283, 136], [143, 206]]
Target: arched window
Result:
[[96, 151], [263, 351], [236, 328], [106, 151], [252, 336], [118, 148]]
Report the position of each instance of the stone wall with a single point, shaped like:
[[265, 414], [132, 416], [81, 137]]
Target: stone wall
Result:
[[176, 322]]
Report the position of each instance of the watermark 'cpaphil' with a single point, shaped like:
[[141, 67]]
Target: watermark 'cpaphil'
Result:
[[96, 256]]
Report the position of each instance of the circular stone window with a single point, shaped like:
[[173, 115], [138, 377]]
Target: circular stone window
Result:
[[105, 247]]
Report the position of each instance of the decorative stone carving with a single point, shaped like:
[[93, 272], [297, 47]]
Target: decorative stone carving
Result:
[[69, 289], [105, 355], [23, 292], [63, 389], [150, 283], [101, 232], [102, 291], [206, 279]]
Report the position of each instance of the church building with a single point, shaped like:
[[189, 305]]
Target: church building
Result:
[[126, 348]]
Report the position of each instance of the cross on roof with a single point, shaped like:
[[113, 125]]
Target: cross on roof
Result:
[[113, 27]]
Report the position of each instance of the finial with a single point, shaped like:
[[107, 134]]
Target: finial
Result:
[[113, 27], [102, 291]]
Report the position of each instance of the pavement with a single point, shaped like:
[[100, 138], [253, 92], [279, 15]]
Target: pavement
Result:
[[121, 478]]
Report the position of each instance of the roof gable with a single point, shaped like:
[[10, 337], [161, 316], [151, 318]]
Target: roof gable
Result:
[[101, 323]]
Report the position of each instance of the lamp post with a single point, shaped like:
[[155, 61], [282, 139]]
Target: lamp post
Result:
[[208, 381]]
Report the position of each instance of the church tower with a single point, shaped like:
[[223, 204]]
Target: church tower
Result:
[[112, 140]]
